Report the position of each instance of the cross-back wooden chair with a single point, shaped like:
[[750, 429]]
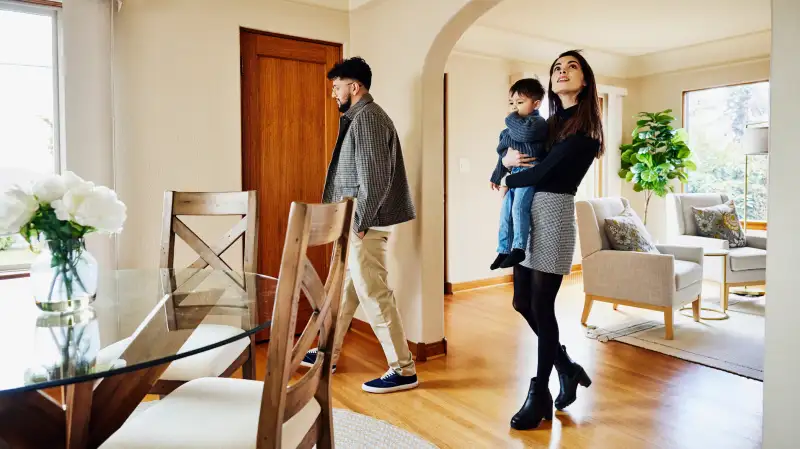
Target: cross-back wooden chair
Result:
[[225, 360], [220, 412]]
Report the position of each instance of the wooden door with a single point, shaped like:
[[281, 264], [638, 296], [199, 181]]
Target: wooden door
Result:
[[289, 128]]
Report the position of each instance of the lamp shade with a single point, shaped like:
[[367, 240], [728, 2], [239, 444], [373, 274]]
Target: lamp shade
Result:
[[756, 139]]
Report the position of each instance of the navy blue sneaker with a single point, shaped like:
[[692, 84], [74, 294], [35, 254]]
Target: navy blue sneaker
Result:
[[391, 382], [311, 358]]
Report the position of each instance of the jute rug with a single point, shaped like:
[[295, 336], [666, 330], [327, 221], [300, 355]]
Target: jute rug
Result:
[[735, 345], [356, 431]]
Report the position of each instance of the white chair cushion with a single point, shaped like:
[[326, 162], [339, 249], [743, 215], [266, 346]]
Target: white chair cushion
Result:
[[209, 363], [747, 258], [687, 273], [208, 413]]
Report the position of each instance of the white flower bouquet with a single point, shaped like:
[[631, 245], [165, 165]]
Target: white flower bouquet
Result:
[[62, 210]]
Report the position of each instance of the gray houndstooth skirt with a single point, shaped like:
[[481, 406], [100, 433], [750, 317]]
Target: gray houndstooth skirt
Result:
[[551, 245]]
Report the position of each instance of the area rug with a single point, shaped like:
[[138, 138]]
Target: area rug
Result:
[[356, 431], [735, 345]]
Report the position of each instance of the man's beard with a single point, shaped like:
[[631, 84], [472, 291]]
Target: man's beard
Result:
[[344, 107]]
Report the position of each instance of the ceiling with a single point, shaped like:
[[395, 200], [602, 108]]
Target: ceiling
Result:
[[626, 27], [341, 5]]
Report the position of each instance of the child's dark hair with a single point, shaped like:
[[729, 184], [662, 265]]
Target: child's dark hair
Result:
[[355, 68], [528, 87]]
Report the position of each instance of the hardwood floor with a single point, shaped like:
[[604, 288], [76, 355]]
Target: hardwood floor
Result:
[[639, 398]]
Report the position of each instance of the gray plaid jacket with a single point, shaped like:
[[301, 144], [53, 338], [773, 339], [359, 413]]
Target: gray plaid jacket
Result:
[[367, 164]]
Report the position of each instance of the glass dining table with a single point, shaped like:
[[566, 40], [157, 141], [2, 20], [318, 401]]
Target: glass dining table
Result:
[[107, 357]]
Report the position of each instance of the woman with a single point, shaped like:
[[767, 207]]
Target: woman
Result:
[[576, 138]]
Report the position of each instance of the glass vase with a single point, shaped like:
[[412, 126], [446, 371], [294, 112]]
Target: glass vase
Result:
[[64, 276], [65, 346]]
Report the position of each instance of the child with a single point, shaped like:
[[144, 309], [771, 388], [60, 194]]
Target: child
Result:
[[526, 132]]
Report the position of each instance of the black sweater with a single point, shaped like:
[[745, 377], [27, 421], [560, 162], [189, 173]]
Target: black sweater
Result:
[[564, 168]]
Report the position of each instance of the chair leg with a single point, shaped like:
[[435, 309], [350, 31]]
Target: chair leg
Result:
[[725, 293], [587, 308], [616, 306], [696, 309], [249, 366], [668, 319]]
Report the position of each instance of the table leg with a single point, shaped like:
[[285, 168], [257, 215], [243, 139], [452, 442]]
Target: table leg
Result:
[[31, 420], [78, 399]]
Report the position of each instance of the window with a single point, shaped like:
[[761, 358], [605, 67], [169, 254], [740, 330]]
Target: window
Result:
[[715, 120], [29, 143]]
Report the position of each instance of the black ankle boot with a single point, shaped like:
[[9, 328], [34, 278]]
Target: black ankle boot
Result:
[[538, 406], [570, 375]]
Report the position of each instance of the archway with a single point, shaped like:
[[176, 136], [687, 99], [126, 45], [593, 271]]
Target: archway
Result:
[[407, 44]]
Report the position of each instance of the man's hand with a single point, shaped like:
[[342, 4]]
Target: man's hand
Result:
[[503, 190], [494, 186], [361, 235]]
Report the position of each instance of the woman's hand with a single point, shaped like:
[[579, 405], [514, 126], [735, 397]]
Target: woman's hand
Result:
[[514, 158]]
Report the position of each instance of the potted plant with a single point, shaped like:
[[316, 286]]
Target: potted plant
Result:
[[60, 211], [657, 156]]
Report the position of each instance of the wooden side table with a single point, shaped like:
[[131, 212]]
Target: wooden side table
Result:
[[721, 314]]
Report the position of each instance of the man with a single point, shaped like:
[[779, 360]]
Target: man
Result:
[[367, 164]]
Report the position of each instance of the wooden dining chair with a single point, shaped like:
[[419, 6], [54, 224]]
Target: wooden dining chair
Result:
[[225, 360], [236, 413]]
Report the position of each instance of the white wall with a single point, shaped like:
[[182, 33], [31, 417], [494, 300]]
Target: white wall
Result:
[[178, 119], [477, 105], [782, 360], [87, 102], [665, 91]]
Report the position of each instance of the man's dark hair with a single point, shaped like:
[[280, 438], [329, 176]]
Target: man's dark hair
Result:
[[528, 87], [354, 68]]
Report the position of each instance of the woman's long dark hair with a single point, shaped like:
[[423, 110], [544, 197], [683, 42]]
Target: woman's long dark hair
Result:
[[587, 119]]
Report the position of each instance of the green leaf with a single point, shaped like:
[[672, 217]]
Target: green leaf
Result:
[[642, 123], [637, 188], [667, 167], [664, 118], [680, 136], [646, 158], [649, 176], [623, 173], [684, 153], [626, 156], [629, 176], [690, 165], [638, 168]]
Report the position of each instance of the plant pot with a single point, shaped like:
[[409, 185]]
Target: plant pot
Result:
[[64, 276]]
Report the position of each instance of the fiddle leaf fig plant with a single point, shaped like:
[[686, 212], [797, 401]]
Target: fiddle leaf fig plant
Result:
[[657, 155]]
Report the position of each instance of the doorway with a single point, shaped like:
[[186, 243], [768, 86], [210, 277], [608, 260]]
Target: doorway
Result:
[[289, 130]]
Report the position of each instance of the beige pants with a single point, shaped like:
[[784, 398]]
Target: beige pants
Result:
[[366, 285]]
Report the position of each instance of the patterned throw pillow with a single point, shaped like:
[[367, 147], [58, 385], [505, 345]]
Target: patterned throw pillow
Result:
[[720, 222], [626, 232]]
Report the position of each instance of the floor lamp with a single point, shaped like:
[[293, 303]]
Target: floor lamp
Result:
[[755, 142]]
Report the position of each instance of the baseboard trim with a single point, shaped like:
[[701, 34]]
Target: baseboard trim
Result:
[[452, 288], [422, 351]]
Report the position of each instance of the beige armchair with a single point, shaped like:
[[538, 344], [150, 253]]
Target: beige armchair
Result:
[[662, 282], [741, 267]]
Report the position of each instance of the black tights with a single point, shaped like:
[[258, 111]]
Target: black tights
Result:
[[534, 298]]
